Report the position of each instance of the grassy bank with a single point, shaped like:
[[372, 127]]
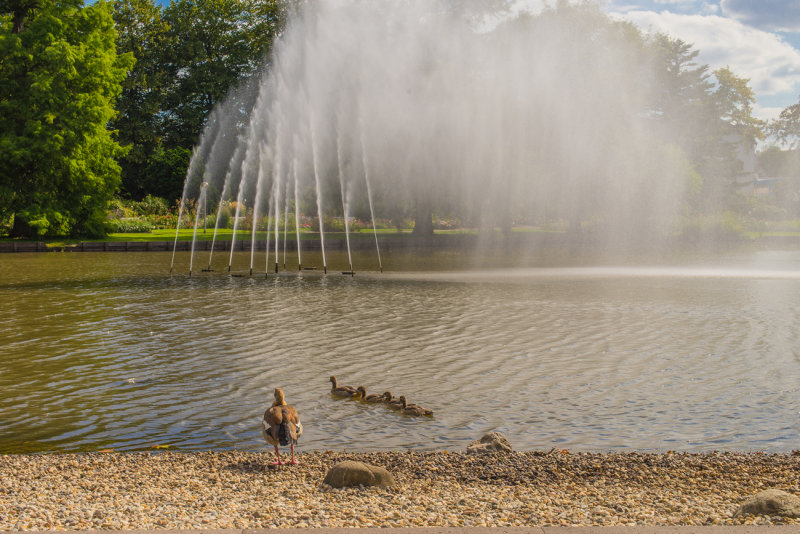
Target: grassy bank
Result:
[[226, 234]]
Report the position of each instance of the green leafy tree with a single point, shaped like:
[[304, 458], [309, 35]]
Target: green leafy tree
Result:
[[734, 100], [708, 115], [214, 45], [59, 76], [733, 132], [776, 162], [141, 31], [786, 128], [189, 56], [680, 104]]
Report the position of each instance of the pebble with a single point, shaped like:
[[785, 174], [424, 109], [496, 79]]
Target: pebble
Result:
[[237, 489]]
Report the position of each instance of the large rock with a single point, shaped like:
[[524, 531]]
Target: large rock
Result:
[[491, 442], [349, 473], [771, 502]]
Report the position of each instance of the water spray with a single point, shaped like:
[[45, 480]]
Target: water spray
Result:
[[297, 212], [203, 189], [319, 194], [369, 193], [344, 198]]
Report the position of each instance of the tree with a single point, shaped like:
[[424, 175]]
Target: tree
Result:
[[59, 76], [189, 56], [786, 128], [774, 162], [707, 115], [733, 130], [734, 100], [214, 45], [680, 102], [142, 32]]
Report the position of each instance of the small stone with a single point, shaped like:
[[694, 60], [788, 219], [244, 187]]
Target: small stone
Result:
[[350, 473], [493, 441], [771, 502]]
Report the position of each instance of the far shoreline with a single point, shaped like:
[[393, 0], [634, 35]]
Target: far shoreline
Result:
[[450, 240]]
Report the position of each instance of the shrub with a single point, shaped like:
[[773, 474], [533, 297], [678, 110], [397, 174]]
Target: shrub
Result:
[[723, 228], [164, 222], [446, 223], [224, 218], [151, 205], [118, 209], [129, 225]]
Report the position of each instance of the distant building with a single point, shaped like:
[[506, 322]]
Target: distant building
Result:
[[766, 186]]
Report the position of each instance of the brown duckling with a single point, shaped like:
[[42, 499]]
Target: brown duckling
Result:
[[374, 397], [281, 426], [342, 391], [392, 402], [414, 409]]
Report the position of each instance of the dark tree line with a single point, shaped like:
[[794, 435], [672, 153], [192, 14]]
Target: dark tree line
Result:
[[189, 54], [106, 98]]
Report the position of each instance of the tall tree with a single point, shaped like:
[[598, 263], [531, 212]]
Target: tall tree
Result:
[[734, 100], [142, 31], [59, 76], [190, 55], [733, 136], [707, 115], [680, 104], [214, 45]]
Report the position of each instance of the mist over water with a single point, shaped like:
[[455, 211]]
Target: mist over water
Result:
[[524, 120]]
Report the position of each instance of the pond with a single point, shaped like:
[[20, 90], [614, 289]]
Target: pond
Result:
[[107, 350]]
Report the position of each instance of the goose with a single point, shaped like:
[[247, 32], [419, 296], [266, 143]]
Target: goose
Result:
[[342, 391], [414, 409], [281, 426], [374, 397]]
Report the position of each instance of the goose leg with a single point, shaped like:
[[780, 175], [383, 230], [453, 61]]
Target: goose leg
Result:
[[278, 454], [293, 461]]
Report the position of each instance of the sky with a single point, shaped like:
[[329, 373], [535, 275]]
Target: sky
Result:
[[758, 39]]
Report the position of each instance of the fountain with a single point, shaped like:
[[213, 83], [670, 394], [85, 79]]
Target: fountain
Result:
[[503, 124]]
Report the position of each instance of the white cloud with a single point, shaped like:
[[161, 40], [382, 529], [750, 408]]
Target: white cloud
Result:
[[776, 15], [530, 6], [766, 113], [771, 64]]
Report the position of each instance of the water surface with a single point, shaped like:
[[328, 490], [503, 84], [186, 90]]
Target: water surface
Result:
[[108, 350]]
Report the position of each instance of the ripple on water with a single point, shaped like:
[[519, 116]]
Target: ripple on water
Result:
[[586, 359]]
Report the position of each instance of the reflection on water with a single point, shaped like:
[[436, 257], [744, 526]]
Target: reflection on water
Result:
[[107, 350]]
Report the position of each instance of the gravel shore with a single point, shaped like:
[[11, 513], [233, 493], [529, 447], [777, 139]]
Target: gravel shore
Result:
[[153, 490]]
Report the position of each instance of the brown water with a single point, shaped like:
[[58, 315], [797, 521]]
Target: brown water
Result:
[[108, 350]]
